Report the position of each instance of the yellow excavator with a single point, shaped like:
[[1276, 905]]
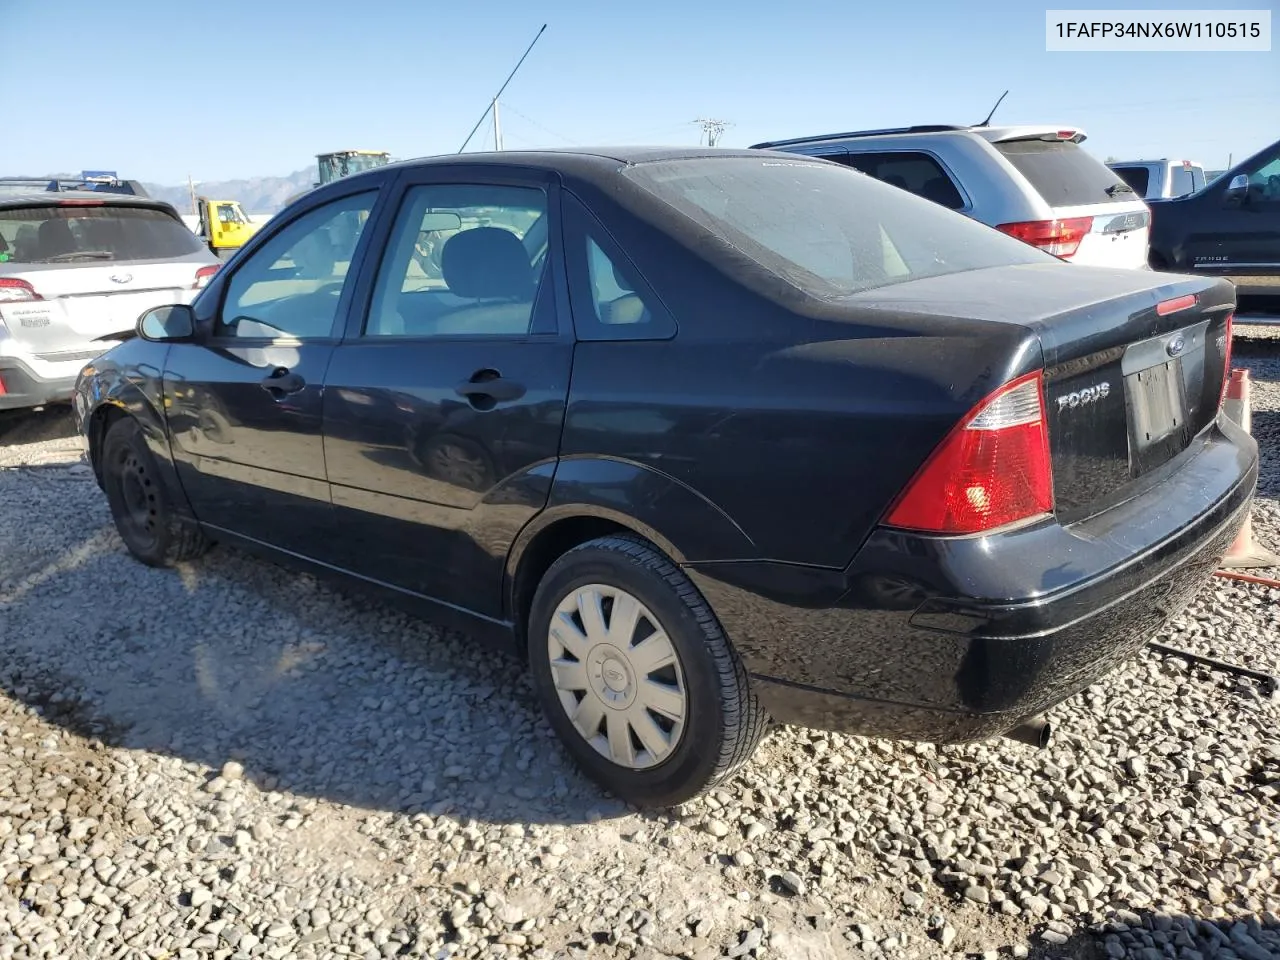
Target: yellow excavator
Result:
[[342, 163]]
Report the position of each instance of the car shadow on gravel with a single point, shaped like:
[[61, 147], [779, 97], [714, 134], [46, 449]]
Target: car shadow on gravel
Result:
[[1155, 935], [320, 691], [51, 423]]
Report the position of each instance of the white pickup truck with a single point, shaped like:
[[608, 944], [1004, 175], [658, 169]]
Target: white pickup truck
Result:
[[1160, 179]]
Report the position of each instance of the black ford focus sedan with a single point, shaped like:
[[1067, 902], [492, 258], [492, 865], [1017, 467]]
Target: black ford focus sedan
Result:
[[708, 438]]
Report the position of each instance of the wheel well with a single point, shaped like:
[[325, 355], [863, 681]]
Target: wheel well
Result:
[[547, 547], [99, 424]]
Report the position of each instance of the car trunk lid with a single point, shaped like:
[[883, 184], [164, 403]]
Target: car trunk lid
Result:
[[1134, 363]]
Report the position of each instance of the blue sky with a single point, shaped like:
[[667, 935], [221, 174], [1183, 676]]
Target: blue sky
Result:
[[158, 89]]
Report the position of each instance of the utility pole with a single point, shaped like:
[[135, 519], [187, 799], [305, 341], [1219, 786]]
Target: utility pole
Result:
[[191, 186], [497, 127], [711, 130]]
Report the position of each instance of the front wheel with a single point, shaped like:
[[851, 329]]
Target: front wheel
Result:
[[145, 519], [636, 676]]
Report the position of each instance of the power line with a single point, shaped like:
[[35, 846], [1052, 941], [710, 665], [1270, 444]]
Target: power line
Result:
[[507, 106]]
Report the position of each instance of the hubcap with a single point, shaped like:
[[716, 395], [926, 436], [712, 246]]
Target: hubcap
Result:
[[617, 676], [138, 497]]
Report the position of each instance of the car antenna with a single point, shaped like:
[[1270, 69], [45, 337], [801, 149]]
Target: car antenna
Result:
[[987, 122], [493, 104]]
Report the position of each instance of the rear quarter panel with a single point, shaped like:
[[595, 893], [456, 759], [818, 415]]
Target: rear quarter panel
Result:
[[794, 420]]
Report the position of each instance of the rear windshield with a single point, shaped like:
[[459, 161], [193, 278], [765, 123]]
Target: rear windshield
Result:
[[1063, 173], [68, 234], [1136, 177], [826, 229]]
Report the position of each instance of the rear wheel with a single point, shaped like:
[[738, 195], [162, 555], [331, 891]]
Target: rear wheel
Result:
[[145, 519], [636, 676]]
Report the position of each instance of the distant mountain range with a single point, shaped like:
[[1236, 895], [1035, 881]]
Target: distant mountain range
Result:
[[262, 195], [256, 194]]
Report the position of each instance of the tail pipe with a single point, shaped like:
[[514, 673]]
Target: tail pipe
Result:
[[1035, 731]]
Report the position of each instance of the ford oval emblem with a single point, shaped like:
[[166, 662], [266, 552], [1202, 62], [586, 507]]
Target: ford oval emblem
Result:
[[120, 277], [1176, 345]]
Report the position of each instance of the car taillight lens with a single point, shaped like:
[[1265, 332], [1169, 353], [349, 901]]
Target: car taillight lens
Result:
[[991, 470], [203, 276], [13, 290], [1226, 362], [1059, 237]]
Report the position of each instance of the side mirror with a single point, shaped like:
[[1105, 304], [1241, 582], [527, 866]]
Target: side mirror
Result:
[[174, 322], [1237, 190]]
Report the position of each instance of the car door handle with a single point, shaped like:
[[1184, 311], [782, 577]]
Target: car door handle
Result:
[[280, 382], [487, 387]]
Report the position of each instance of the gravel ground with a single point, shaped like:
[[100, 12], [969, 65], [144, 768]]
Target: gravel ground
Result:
[[230, 760]]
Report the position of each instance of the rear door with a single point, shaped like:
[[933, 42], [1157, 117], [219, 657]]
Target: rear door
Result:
[[95, 266], [244, 403], [443, 406], [1112, 219]]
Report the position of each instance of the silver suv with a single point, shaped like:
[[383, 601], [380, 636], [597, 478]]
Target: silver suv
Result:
[[1033, 182], [77, 266]]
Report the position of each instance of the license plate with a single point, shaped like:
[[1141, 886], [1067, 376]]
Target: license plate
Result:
[[1157, 402]]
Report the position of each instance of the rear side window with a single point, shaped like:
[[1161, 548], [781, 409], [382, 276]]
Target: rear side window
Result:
[[1137, 177], [1064, 174], [818, 226], [73, 233], [913, 171]]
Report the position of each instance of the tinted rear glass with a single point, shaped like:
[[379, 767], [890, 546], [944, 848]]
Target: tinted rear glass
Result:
[[1062, 173], [1136, 177], [826, 229], [84, 234]]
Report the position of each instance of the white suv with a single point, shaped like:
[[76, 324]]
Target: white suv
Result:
[[1035, 183], [77, 266]]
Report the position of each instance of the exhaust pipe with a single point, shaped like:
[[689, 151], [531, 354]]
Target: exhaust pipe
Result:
[[1035, 731]]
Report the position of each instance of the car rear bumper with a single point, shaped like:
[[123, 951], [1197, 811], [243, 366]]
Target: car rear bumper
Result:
[[24, 388], [954, 639]]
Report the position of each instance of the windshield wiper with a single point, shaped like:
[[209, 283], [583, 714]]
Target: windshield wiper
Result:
[[1118, 188], [79, 255]]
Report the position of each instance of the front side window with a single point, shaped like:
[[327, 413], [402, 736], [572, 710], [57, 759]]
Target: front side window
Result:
[[290, 287], [462, 260], [1264, 181], [820, 227]]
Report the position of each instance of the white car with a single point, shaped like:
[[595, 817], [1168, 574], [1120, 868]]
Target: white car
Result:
[[1035, 183], [77, 266], [1161, 179]]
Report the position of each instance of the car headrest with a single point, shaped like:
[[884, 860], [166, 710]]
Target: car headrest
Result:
[[487, 263]]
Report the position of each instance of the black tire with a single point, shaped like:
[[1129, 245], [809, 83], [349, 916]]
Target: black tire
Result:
[[724, 723], [145, 519]]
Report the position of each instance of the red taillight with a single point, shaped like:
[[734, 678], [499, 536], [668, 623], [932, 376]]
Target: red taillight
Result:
[[81, 203], [203, 276], [3, 391], [13, 290], [1226, 362], [1059, 237], [992, 469]]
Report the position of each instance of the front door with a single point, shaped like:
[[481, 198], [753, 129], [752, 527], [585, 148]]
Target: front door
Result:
[[444, 405], [1241, 239], [245, 402]]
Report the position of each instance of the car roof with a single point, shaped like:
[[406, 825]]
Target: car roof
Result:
[[52, 198], [1123, 163], [581, 160], [992, 134]]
